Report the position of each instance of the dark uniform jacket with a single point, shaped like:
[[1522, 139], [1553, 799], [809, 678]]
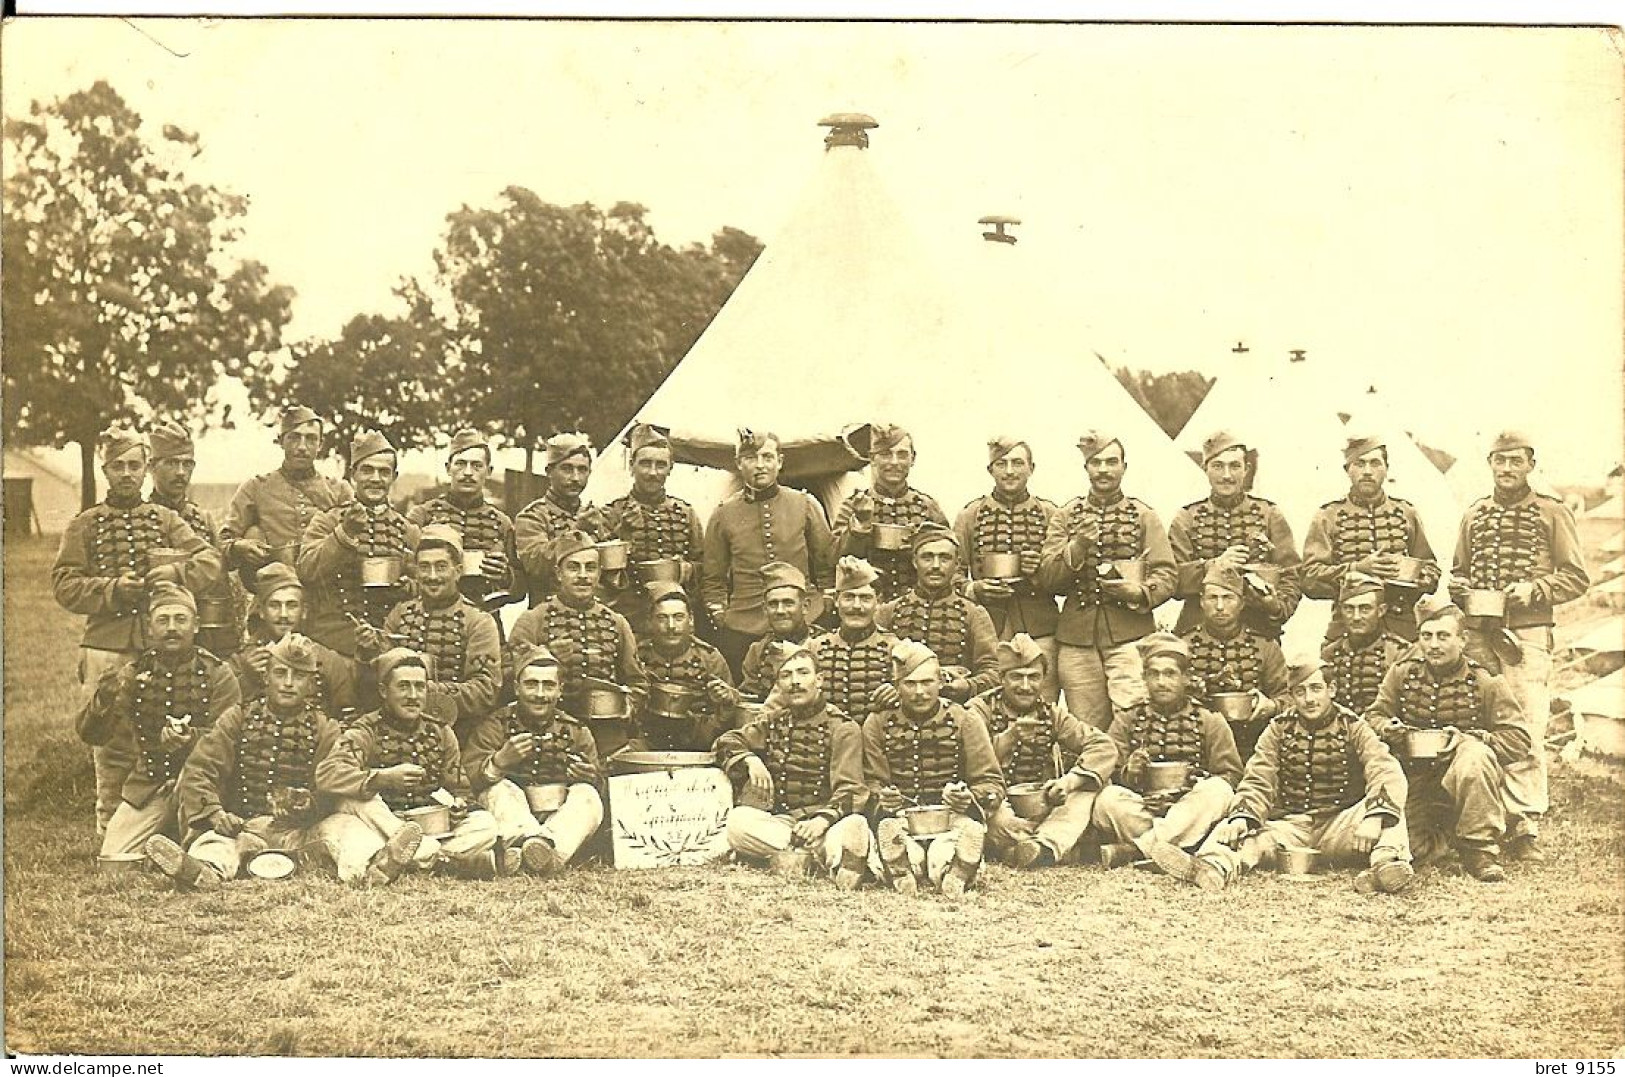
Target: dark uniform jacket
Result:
[[910, 509], [987, 525], [1127, 530], [1061, 744], [276, 508], [375, 742], [1356, 669], [852, 671], [247, 756], [920, 757], [816, 760], [484, 528], [1344, 533], [1191, 734], [1466, 696], [1204, 529], [534, 529], [751, 529], [330, 569], [1319, 772], [1531, 540], [555, 742], [958, 631], [462, 640]]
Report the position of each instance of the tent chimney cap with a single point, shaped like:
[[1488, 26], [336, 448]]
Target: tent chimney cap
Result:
[[999, 222], [847, 129]]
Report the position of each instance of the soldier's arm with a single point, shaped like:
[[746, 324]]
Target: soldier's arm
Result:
[[339, 675], [734, 745], [452, 778], [1160, 575], [963, 525], [820, 545], [242, 514], [1385, 787], [1256, 791], [978, 762], [847, 792], [876, 771], [1272, 676], [76, 590], [1284, 555], [1319, 575], [346, 770], [324, 548], [1386, 705], [531, 541], [694, 564], [627, 667], [211, 764], [984, 642], [1569, 577], [1121, 732], [1508, 735], [489, 735], [1188, 567], [476, 693], [202, 569], [716, 562], [1462, 560], [582, 744], [1420, 547], [1056, 573], [1094, 754], [1219, 753], [844, 538], [108, 706]]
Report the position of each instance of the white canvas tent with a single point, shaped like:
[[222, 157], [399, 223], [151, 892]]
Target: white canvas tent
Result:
[[1616, 567], [1599, 714], [1605, 637], [1613, 543], [1612, 509]]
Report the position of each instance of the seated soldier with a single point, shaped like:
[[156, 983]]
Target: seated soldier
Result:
[[855, 659], [1357, 661], [1227, 656], [1320, 779], [671, 656], [531, 744], [802, 764], [958, 631], [1034, 742], [162, 699], [784, 600], [400, 758], [925, 752], [277, 610], [1141, 817], [249, 786], [1455, 798]]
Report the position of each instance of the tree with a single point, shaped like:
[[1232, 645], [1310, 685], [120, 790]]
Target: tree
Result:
[[1170, 399], [119, 298]]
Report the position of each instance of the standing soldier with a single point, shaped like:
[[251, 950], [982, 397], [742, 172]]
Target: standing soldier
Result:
[[483, 528], [654, 525], [670, 655], [173, 460], [892, 501], [1011, 521], [278, 611], [1093, 549], [1524, 545], [1234, 527], [1039, 742], [269, 513], [1226, 656], [784, 599], [855, 659], [344, 543], [762, 523], [104, 570], [958, 631], [1368, 532], [1357, 661], [568, 464]]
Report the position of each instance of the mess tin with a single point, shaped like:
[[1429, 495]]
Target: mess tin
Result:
[[1168, 774], [433, 819], [214, 613], [673, 701], [380, 571], [661, 570], [890, 536], [1027, 800], [272, 864], [1407, 569], [999, 566], [473, 562], [540, 798], [1298, 860], [927, 820], [599, 699], [1269, 574], [659, 762], [1235, 706], [1486, 602], [612, 555], [1426, 743], [120, 863]]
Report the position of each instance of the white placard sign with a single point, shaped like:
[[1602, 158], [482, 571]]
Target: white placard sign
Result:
[[669, 819]]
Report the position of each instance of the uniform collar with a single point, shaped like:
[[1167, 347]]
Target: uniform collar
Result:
[[1021, 502], [1375, 503], [1228, 504], [881, 495], [464, 504], [648, 503], [766, 493], [572, 505], [1523, 498], [177, 505], [1105, 502], [120, 503], [1449, 672], [841, 634], [297, 474]]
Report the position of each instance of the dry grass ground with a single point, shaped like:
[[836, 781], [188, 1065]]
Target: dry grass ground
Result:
[[725, 960]]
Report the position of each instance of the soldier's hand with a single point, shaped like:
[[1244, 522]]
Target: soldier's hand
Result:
[[513, 752], [758, 781], [1263, 706], [1124, 593], [175, 736], [863, 512], [161, 574], [459, 810], [370, 642], [720, 691], [1393, 730], [1134, 766], [1367, 833], [1083, 541], [494, 565], [809, 830], [250, 552], [1521, 594], [128, 589], [1058, 789], [1384, 565], [402, 777], [991, 589], [957, 796], [884, 697], [891, 800], [1234, 556], [259, 660], [354, 520], [1029, 562], [956, 687], [226, 824], [1230, 832], [580, 770]]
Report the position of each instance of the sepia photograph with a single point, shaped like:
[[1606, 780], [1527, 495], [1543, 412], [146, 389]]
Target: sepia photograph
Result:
[[681, 538]]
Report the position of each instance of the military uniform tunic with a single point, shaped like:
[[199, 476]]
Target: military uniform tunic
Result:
[[484, 528], [751, 529], [330, 568], [1345, 532], [277, 507], [909, 509], [1203, 530], [852, 671], [1356, 668], [816, 761], [988, 525]]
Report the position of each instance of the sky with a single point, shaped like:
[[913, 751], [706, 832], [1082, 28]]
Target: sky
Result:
[[1436, 210]]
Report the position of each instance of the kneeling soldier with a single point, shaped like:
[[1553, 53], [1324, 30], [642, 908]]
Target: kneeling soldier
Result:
[[1320, 779], [803, 763], [927, 752], [395, 759], [1033, 741], [532, 748]]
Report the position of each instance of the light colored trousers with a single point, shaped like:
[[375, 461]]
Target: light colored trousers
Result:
[[756, 835], [344, 839], [1460, 800], [931, 858], [1526, 791], [1099, 682], [114, 760], [469, 841], [566, 829], [1122, 813], [1060, 830], [1333, 835], [130, 827]]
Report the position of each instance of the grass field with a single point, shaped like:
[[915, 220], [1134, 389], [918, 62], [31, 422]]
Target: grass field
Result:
[[724, 960]]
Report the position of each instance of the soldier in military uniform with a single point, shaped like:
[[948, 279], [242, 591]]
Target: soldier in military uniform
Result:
[[958, 631], [1357, 661], [1456, 799], [1226, 656], [173, 461], [671, 655], [800, 766], [1320, 779], [104, 571], [1104, 615], [1367, 531], [483, 528], [855, 659], [269, 513], [248, 785], [1010, 520], [568, 464], [277, 611], [587, 637], [654, 525], [398, 758], [338, 540], [761, 524], [1168, 727], [1040, 742], [158, 702], [530, 743], [784, 599], [1233, 527], [1525, 545], [459, 639], [888, 500], [926, 751]]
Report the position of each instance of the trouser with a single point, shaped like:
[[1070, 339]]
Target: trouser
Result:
[[114, 760], [1099, 682], [1456, 801], [929, 859], [733, 644], [756, 835], [1333, 835], [130, 827], [1122, 813], [566, 829], [466, 849], [1060, 830], [1526, 791], [345, 841]]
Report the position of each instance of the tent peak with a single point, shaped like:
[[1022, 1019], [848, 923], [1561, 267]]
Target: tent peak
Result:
[[999, 222], [847, 129]]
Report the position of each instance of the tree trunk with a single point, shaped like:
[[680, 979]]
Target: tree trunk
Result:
[[530, 459], [87, 474]]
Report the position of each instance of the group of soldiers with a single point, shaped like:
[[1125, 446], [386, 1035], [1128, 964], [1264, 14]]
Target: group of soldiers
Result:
[[894, 696]]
